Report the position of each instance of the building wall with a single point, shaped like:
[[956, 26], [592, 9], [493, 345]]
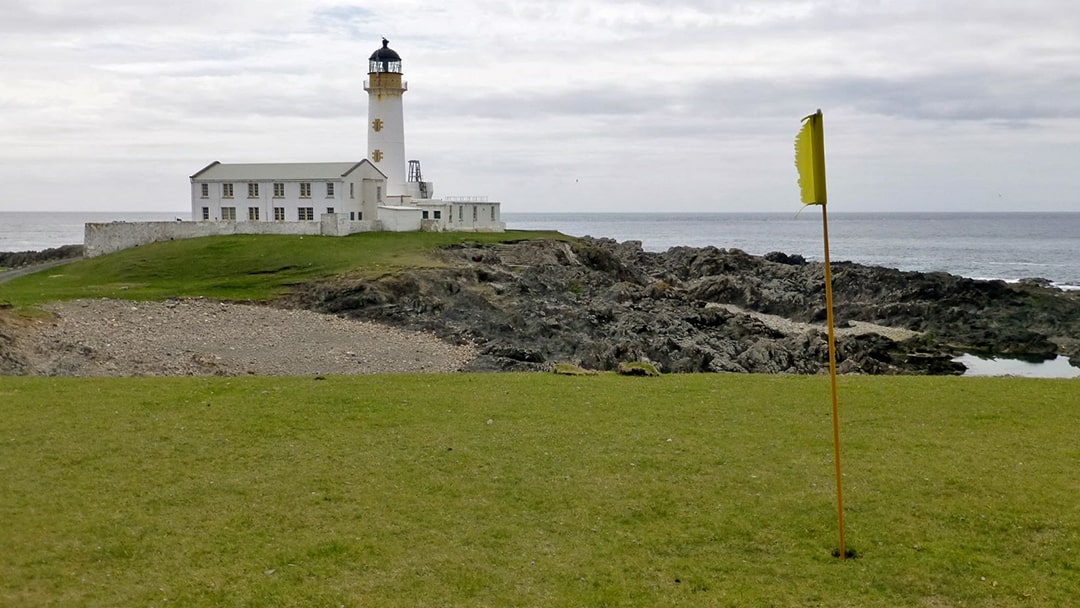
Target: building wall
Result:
[[470, 216], [352, 196], [373, 195], [265, 202], [400, 219]]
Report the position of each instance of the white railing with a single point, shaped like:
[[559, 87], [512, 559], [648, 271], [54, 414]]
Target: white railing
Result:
[[466, 199]]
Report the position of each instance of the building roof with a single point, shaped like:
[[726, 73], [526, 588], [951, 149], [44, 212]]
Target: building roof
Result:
[[385, 53], [278, 171]]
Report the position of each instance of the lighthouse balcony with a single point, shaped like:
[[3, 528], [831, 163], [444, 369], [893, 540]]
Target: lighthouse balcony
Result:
[[385, 81]]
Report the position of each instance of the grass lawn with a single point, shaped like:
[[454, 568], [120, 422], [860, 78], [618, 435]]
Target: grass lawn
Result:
[[537, 490], [243, 267]]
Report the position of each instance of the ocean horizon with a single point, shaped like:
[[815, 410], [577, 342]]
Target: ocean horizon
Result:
[[1005, 246]]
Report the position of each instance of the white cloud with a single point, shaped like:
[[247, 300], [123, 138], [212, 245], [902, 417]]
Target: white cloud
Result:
[[551, 105]]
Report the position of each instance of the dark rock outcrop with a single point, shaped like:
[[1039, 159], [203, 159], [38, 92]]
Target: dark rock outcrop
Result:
[[15, 259], [596, 303]]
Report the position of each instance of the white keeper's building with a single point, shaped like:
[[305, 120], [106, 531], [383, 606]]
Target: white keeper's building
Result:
[[379, 192], [280, 192]]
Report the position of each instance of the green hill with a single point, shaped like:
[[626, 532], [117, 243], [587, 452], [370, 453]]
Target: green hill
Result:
[[244, 268]]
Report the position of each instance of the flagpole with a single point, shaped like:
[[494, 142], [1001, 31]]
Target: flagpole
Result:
[[810, 162], [832, 377]]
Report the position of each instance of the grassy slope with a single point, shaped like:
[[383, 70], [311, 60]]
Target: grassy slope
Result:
[[235, 267], [526, 490]]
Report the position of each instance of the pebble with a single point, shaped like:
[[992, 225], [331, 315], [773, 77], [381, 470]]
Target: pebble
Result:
[[101, 337]]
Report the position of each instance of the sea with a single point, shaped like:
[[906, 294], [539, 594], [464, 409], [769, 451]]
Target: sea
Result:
[[1006, 246], [34, 231]]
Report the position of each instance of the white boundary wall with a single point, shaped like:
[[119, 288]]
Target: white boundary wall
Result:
[[100, 239], [400, 219]]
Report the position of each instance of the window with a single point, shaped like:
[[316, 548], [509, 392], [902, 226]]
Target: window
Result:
[[305, 190], [329, 209], [279, 190], [205, 190], [352, 190], [493, 213], [253, 190], [228, 213], [425, 215], [460, 213], [360, 215], [437, 214], [279, 214], [205, 213], [253, 214], [352, 216], [306, 213], [474, 209], [329, 189], [226, 190], [378, 194]]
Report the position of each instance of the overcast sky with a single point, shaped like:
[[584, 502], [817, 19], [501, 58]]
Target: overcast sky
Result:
[[591, 105]]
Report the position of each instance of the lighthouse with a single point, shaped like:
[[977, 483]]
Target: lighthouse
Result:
[[386, 124], [339, 198]]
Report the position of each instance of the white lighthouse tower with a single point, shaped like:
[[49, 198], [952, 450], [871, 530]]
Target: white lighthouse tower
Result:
[[386, 124]]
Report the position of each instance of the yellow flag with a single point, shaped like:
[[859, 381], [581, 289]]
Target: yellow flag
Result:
[[810, 160]]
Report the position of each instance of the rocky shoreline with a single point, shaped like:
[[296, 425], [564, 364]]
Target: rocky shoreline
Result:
[[597, 302], [591, 302], [19, 259]]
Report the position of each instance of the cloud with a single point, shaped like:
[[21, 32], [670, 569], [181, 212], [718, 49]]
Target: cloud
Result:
[[697, 98]]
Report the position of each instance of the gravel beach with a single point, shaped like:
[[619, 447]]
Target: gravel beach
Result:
[[204, 337]]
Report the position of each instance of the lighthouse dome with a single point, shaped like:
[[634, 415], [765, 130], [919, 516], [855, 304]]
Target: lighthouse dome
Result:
[[384, 59]]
